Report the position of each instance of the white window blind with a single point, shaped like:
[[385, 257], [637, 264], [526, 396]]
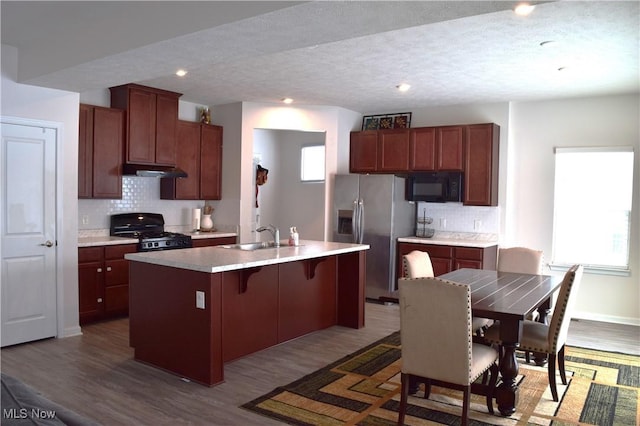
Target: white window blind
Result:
[[312, 163], [592, 207]]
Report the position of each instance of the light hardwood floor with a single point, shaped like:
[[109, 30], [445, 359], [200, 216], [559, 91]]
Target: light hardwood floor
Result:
[[96, 376]]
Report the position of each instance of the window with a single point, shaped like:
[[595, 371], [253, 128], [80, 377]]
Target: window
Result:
[[312, 163], [592, 208]]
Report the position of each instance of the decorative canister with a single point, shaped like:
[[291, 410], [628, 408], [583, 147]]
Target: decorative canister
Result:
[[207, 223]]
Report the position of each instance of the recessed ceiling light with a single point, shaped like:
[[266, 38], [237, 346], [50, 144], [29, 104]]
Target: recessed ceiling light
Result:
[[181, 73], [523, 9], [403, 87], [287, 100]]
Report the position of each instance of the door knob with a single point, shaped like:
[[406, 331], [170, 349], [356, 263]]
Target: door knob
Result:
[[47, 244]]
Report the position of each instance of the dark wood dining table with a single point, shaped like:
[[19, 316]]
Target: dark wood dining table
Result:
[[509, 298]]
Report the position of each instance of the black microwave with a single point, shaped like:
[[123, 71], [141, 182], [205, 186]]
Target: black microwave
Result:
[[434, 187]]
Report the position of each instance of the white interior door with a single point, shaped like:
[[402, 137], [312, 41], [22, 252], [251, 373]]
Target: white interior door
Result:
[[28, 231]]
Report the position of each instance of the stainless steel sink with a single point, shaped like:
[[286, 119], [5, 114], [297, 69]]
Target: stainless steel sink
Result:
[[250, 246]]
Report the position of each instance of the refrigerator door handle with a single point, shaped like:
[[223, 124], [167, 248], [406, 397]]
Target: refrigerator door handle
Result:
[[354, 222], [360, 222]]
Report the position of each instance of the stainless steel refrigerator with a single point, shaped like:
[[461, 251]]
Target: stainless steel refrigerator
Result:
[[371, 209]]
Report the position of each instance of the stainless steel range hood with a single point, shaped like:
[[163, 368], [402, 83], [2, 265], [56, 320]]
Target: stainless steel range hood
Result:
[[149, 170]]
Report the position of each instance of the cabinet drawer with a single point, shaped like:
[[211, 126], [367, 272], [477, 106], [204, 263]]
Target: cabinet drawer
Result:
[[90, 254], [438, 251], [118, 252], [468, 253]]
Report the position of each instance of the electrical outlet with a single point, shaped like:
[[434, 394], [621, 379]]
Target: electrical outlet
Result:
[[200, 299], [443, 223], [85, 219], [477, 225]]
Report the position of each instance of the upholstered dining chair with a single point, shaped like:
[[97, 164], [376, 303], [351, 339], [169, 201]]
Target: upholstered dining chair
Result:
[[417, 264], [549, 339], [436, 344], [520, 259]]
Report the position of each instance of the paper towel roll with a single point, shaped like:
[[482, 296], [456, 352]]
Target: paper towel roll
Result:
[[195, 220]]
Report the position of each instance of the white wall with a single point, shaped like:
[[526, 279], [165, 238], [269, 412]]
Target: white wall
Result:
[[318, 118], [24, 101], [286, 201], [538, 127]]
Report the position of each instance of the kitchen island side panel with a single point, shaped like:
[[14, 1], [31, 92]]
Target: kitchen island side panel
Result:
[[167, 330], [351, 276]]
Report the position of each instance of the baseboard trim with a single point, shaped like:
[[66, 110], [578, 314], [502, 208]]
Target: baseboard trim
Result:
[[606, 318], [71, 332]]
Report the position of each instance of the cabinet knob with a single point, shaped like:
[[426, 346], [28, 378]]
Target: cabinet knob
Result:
[[108, 268], [99, 299], [99, 269]]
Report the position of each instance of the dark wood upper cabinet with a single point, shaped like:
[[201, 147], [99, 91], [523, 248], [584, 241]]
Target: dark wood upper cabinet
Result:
[[100, 141], [481, 165], [211, 162], [450, 148], [393, 150], [199, 154], [151, 123], [423, 149], [470, 149], [363, 152]]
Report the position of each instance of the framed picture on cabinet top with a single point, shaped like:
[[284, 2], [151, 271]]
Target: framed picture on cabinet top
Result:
[[400, 120], [370, 123]]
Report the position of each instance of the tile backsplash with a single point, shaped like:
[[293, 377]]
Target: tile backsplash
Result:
[[454, 217], [139, 194]]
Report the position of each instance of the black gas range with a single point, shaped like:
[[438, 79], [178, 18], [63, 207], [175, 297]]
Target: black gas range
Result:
[[148, 228]]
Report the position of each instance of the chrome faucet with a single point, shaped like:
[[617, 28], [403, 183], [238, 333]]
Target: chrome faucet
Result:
[[275, 232]]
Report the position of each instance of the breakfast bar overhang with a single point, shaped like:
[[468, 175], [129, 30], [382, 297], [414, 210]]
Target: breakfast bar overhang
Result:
[[192, 310]]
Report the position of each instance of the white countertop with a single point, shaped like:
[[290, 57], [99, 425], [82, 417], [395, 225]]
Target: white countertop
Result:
[[220, 259], [465, 240], [106, 240]]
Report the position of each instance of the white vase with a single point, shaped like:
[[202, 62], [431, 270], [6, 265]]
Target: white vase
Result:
[[207, 223]]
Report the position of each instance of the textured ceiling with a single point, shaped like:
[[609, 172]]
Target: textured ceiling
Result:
[[348, 54]]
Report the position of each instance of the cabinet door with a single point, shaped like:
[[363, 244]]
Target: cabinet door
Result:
[[393, 150], [165, 130], [307, 297], [90, 284], [211, 163], [423, 149], [116, 279], [188, 156], [363, 150], [450, 148], [90, 291], [108, 133], [249, 311], [141, 124], [85, 152], [481, 165]]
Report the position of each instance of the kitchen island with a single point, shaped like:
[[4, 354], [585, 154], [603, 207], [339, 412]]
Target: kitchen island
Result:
[[192, 310]]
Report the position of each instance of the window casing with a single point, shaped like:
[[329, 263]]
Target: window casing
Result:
[[592, 208]]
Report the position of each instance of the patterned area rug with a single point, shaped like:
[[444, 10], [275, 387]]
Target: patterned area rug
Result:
[[363, 389]]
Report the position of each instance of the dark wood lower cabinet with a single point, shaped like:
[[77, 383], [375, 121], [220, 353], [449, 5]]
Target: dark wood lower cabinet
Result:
[[446, 258], [103, 282]]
